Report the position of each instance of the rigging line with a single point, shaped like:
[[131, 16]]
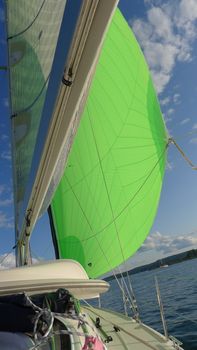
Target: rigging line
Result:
[[30, 254], [94, 234], [92, 230], [34, 101], [184, 317], [180, 136], [29, 26], [112, 213], [103, 252], [124, 300], [171, 140], [127, 296], [134, 301], [34, 255], [130, 293], [106, 187], [6, 256], [105, 256], [109, 199]]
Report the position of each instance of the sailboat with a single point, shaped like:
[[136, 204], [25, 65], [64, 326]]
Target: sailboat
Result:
[[89, 145], [162, 264]]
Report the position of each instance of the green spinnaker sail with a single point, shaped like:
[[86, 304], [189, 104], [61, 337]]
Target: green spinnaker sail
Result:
[[107, 199]]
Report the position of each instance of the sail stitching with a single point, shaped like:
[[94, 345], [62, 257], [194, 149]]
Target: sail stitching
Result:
[[105, 256], [152, 170], [34, 101], [105, 183], [109, 199], [29, 26], [139, 189]]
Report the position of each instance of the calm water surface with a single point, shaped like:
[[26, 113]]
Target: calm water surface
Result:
[[178, 287]]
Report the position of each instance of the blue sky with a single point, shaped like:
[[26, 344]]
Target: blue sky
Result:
[[167, 33]]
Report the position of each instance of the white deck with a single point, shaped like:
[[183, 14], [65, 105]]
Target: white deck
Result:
[[132, 335], [48, 277]]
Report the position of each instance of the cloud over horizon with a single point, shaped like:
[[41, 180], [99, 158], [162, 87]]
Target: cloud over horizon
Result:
[[8, 261], [168, 244], [6, 155], [184, 121], [6, 221], [166, 36], [6, 198]]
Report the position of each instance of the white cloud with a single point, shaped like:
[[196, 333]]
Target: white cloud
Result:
[[194, 140], [161, 23], [168, 244], [8, 261], [4, 137], [167, 36], [186, 17], [5, 102], [170, 111], [169, 166], [5, 197], [184, 121], [5, 221], [194, 126], [2, 189], [176, 98], [167, 119], [165, 101], [6, 155], [6, 202]]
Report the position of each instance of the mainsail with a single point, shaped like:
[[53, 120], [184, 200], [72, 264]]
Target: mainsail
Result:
[[107, 199], [53, 48], [32, 38]]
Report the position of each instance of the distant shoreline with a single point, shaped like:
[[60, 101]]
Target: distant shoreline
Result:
[[164, 262]]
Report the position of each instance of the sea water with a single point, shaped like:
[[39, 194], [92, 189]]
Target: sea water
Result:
[[178, 288]]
